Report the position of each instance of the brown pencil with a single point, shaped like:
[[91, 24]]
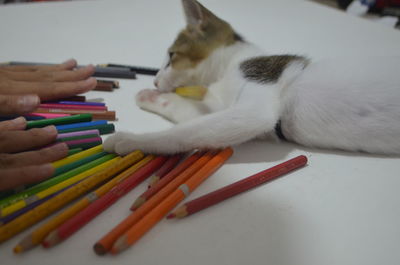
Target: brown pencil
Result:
[[238, 187], [165, 180]]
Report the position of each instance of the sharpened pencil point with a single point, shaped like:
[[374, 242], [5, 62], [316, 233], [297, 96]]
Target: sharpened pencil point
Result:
[[99, 249], [51, 240], [171, 216], [18, 249], [139, 201], [119, 246]]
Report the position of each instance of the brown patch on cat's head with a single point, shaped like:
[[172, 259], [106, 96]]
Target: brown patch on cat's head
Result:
[[203, 34]]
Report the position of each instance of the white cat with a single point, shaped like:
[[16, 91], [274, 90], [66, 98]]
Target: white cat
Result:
[[349, 104]]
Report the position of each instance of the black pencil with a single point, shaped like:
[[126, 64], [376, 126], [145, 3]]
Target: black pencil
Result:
[[138, 69]]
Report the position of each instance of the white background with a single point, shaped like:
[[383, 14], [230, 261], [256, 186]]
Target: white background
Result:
[[343, 208]]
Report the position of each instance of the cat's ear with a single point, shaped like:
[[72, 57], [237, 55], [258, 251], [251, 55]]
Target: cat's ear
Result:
[[197, 16]]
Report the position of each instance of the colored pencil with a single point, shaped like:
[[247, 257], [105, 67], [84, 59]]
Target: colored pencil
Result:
[[79, 103], [79, 137], [50, 206], [59, 121], [165, 169], [98, 115], [137, 69], [70, 159], [84, 143], [80, 124], [102, 86], [48, 115], [114, 83], [47, 183], [103, 129], [101, 204], [106, 242], [39, 234], [14, 215], [135, 232], [78, 133], [65, 106], [76, 98], [74, 151], [101, 164], [166, 179], [238, 187], [78, 163]]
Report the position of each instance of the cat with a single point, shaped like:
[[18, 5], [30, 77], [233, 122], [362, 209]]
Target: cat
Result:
[[341, 103]]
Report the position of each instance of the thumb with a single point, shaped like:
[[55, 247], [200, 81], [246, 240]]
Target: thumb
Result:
[[18, 104]]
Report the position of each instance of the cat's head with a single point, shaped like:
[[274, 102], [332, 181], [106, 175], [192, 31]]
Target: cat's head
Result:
[[203, 34]]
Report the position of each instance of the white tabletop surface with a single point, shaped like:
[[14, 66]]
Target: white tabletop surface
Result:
[[343, 208]]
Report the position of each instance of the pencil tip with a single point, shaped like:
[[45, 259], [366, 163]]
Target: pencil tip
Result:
[[171, 216], [51, 240], [139, 201], [99, 249], [18, 249]]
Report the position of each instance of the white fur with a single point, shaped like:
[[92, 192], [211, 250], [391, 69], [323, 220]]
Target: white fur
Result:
[[350, 104]]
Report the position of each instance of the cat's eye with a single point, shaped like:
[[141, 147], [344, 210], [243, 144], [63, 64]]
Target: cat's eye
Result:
[[170, 55]]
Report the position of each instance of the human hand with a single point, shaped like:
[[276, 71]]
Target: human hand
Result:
[[18, 166], [23, 87]]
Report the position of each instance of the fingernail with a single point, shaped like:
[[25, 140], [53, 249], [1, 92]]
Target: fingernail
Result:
[[51, 129], [28, 102], [45, 170], [70, 62], [20, 121], [61, 147]]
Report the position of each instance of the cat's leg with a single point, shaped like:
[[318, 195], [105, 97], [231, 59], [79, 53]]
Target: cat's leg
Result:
[[256, 114]]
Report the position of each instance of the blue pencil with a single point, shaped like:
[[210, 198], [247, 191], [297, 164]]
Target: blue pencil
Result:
[[81, 103], [80, 125]]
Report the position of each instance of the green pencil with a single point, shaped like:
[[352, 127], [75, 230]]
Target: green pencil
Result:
[[78, 163], [103, 129], [74, 151], [79, 137], [59, 121], [53, 181]]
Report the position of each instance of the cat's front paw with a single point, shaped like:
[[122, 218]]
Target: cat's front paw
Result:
[[121, 143], [151, 100]]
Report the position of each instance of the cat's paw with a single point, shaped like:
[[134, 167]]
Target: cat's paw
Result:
[[121, 143], [151, 100]]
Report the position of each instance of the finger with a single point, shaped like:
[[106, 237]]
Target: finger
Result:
[[18, 104], [18, 141], [53, 90], [51, 76], [42, 156], [14, 177], [13, 125], [67, 65]]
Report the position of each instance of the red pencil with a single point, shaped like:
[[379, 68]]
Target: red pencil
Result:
[[102, 203], [165, 180], [237, 187], [66, 106], [166, 168]]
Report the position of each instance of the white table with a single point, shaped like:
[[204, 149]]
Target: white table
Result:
[[341, 209]]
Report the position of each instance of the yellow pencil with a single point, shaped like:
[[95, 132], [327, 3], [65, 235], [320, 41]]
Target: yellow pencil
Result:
[[26, 220], [78, 156], [37, 236], [53, 189]]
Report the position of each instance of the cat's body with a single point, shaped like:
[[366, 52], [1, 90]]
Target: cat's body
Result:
[[351, 104]]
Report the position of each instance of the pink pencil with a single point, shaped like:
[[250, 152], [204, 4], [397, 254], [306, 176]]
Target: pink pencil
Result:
[[78, 133], [65, 106], [48, 115]]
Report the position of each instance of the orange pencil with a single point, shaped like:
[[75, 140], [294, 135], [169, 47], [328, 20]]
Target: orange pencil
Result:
[[155, 215], [105, 243], [165, 180]]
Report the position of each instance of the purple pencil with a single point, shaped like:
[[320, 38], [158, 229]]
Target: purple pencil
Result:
[[78, 133]]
